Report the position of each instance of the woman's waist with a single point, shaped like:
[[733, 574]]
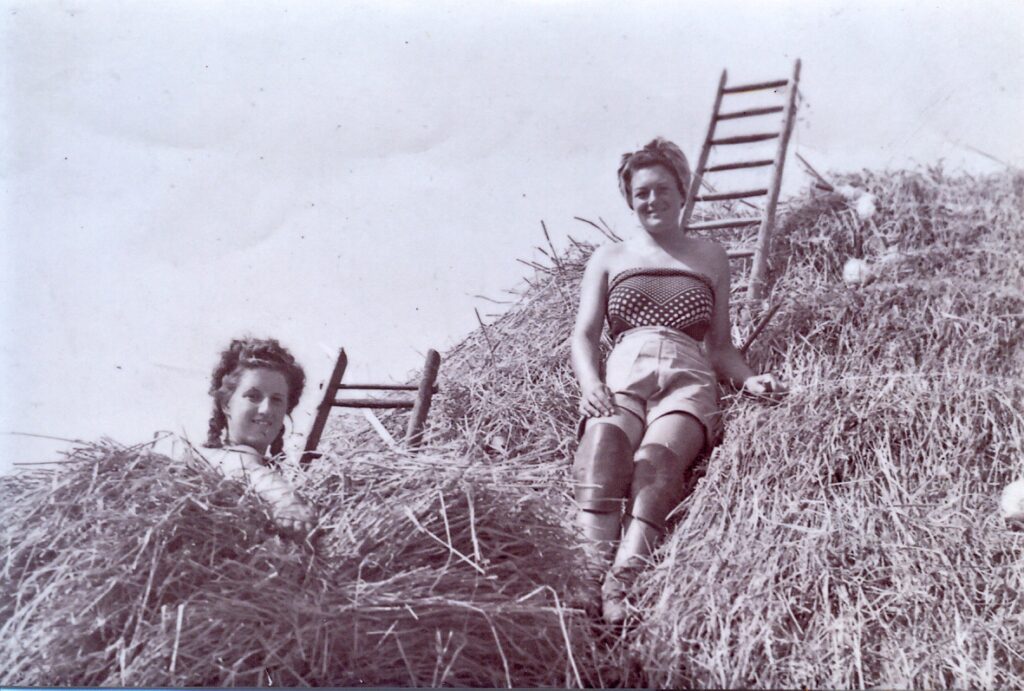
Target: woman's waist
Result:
[[643, 333]]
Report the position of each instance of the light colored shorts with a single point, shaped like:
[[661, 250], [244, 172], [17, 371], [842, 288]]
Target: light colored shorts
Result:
[[654, 370]]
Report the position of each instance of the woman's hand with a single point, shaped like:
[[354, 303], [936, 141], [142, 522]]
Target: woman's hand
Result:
[[596, 400], [292, 514], [289, 511], [764, 385]]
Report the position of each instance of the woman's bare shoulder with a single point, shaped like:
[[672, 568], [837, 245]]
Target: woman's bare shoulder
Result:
[[708, 246], [711, 256], [604, 257], [607, 251]]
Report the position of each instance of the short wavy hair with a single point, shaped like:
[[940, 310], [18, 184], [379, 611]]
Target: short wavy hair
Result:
[[657, 152], [243, 354]]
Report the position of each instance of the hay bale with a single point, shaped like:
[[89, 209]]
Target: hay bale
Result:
[[849, 536], [129, 568]]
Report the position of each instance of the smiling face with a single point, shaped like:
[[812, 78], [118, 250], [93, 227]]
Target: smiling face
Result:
[[657, 200], [256, 410]]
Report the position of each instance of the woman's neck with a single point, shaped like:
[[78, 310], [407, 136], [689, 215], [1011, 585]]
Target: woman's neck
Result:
[[666, 242]]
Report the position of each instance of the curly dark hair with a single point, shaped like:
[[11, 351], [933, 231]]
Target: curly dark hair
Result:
[[657, 152], [250, 353]]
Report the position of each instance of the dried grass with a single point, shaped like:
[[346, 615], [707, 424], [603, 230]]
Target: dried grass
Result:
[[131, 569], [845, 537]]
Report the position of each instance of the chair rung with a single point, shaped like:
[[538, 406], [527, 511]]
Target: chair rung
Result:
[[749, 113], [740, 164], [746, 138], [755, 87], [724, 223], [371, 403], [730, 195], [740, 253]]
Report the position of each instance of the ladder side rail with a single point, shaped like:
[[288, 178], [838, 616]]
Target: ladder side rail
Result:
[[698, 172], [414, 431], [756, 288], [324, 409]]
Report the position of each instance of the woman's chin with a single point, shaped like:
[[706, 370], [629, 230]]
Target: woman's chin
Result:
[[658, 227], [256, 440]]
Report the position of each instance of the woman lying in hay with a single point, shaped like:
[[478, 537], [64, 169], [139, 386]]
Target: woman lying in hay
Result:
[[665, 296], [254, 386]]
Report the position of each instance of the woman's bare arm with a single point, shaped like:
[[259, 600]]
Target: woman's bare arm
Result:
[[728, 363], [289, 510], [726, 360], [595, 398]]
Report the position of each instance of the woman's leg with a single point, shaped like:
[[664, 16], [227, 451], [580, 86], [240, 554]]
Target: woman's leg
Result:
[[602, 471], [669, 447]]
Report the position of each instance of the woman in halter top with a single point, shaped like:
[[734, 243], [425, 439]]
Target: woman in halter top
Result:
[[665, 296]]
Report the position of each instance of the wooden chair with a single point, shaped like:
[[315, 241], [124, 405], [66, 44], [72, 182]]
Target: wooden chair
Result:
[[420, 405], [766, 221]]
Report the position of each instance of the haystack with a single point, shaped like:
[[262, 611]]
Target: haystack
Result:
[[847, 536]]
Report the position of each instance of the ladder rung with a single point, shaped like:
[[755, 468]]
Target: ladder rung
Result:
[[755, 87], [749, 113], [379, 387], [746, 138], [738, 165], [371, 403], [724, 196], [384, 387], [740, 253], [724, 223]]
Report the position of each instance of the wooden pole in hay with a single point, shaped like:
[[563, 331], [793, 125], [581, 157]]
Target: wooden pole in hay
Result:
[[759, 269], [313, 440], [414, 432]]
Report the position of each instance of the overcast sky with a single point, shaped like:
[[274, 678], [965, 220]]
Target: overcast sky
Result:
[[351, 174]]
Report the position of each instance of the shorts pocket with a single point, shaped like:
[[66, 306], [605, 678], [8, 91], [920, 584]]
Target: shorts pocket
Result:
[[621, 365]]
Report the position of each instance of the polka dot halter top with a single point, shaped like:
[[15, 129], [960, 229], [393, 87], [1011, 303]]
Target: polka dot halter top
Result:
[[675, 298]]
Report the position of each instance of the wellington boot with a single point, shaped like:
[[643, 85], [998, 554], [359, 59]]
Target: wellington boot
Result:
[[615, 591], [585, 587]]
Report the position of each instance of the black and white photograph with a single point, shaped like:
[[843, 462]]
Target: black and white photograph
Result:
[[548, 343]]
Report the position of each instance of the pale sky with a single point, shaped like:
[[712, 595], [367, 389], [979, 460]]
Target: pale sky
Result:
[[351, 174]]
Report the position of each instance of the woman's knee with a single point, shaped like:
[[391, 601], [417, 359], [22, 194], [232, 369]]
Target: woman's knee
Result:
[[657, 485], [603, 467], [679, 431]]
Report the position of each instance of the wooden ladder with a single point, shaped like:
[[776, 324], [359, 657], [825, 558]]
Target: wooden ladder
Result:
[[420, 405], [766, 223]]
